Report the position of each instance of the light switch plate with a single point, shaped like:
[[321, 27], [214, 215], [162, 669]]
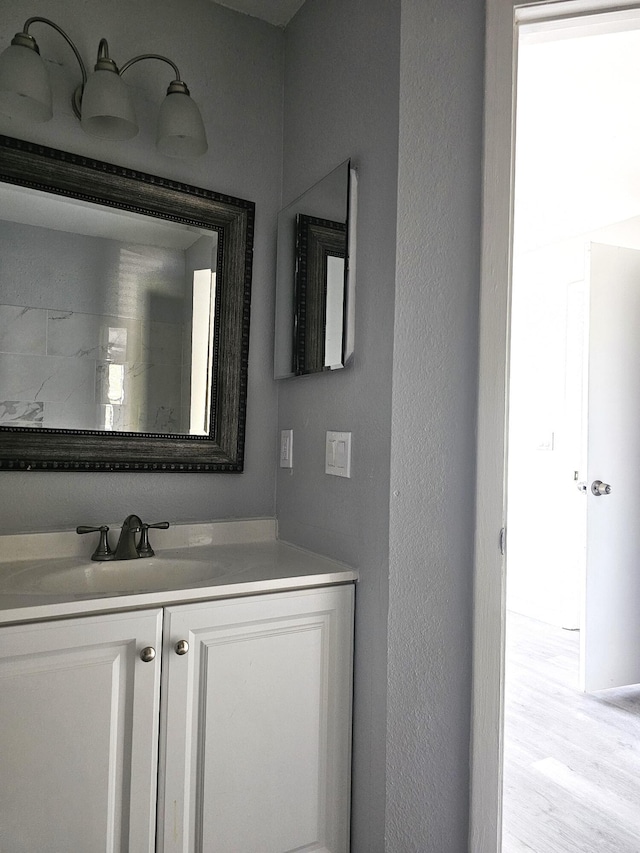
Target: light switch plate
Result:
[[286, 448], [338, 454]]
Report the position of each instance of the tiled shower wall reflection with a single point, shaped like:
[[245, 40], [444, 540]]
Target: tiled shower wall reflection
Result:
[[66, 369]]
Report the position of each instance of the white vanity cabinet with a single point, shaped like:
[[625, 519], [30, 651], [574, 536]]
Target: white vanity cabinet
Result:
[[256, 724], [79, 734], [243, 719]]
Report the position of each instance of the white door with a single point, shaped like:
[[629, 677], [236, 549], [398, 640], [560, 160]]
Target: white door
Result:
[[79, 734], [256, 724], [611, 629]]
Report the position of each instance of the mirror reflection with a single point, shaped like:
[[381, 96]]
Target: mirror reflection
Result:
[[321, 248], [315, 277], [106, 317]]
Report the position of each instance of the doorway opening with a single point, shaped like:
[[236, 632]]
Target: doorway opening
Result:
[[572, 759]]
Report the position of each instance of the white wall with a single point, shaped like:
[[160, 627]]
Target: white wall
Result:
[[233, 66]]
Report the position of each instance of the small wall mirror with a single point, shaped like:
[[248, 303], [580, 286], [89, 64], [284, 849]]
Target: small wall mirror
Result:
[[124, 313], [316, 277]]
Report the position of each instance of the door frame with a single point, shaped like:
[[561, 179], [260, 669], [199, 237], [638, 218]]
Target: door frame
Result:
[[504, 18]]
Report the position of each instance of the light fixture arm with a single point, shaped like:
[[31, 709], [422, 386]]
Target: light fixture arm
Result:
[[25, 32], [27, 40], [103, 55], [154, 56]]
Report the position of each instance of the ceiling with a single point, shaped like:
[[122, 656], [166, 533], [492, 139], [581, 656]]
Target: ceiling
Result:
[[277, 12]]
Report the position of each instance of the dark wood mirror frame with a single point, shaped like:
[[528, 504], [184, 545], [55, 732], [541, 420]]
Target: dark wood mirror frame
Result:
[[316, 240], [24, 448]]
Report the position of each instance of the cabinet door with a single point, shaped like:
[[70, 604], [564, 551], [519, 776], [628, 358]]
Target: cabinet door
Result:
[[256, 729], [78, 735]]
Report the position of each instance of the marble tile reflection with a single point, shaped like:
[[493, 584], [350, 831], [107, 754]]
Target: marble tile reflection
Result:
[[23, 330], [162, 343], [121, 419], [161, 419], [105, 418], [90, 372], [71, 415], [162, 409], [163, 387], [46, 379], [22, 414], [185, 398], [113, 384], [121, 384], [149, 394], [102, 337]]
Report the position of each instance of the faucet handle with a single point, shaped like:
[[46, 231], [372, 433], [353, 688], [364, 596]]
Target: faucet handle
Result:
[[144, 547], [103, 551]]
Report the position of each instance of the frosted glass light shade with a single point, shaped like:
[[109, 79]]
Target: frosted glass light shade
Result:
[[180, 128], [106, 107], [25, 91]]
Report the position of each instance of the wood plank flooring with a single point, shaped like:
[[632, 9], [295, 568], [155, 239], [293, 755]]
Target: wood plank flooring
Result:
[[572, 760]]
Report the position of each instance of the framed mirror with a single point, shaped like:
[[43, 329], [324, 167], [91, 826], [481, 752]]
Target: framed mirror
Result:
[[315, 287], [124, 317]]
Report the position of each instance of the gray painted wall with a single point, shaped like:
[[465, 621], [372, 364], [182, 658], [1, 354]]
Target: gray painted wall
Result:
[[233, 66], [347, 55], [433, 441], [341, 100]]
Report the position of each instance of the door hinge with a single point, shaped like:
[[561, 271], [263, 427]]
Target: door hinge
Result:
[[503, 540]]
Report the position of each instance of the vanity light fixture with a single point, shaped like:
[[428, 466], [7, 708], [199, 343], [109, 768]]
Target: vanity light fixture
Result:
[[102, 101]]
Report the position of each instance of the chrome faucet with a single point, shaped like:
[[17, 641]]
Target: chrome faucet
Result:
[[127, 548]]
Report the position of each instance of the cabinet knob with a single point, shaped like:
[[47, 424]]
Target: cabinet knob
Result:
[[148, 654], [182, 647]]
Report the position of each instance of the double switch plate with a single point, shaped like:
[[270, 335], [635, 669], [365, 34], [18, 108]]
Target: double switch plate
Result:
[[337, 452]]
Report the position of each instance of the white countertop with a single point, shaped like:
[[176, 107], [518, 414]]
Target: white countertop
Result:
[[248, 560]]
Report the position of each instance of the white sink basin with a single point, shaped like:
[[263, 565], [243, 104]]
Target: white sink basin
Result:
[[122, 576]]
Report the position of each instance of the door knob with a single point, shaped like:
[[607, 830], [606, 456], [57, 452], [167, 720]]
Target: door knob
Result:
[[148, 654], [599, 488]]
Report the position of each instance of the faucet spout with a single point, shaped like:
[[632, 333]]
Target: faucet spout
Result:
[[126, 548]]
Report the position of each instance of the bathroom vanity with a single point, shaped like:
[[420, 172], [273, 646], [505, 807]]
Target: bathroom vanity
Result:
[[214, 716]]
